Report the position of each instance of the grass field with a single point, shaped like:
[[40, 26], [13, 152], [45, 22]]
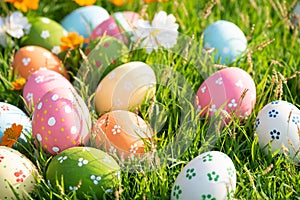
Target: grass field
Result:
[[272, 59]]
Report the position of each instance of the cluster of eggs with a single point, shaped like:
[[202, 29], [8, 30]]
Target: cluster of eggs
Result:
[[61, 122]]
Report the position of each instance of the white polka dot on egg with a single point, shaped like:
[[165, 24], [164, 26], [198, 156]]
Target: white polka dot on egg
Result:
[[54, 97], [51, 121], [55, 149], [39, 137], [68, 109], [73, 130], [40, 106]]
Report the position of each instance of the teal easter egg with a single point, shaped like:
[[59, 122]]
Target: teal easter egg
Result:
[[9, 115], [84, 19], [46, 33], [87, 170], [227, 40]]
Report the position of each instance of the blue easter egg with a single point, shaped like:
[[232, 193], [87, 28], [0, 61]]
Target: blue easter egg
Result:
[[9, 115], [227, 39], [84, 19]]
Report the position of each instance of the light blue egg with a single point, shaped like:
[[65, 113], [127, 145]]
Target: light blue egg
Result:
[[10, 114], [227, 39], [84, 19]]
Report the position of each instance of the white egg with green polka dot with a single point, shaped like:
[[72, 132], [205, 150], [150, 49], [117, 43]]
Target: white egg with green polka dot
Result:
[[209, 176], [277, 125], [18, 171]]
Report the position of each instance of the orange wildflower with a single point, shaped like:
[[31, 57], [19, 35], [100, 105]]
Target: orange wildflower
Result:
[[24, 5], [85, 2], [71, 41], [18, 84], [151, 1], [11, 135]]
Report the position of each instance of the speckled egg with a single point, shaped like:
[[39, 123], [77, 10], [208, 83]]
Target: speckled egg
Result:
[[125, 87], [17, 170], [117, 24], [46, 33], [231, 91], [211, 175], [61, 120], [39, 83], [122, 133], [84, 19], [278, 124], [86, 170], [32, 58], [9, 115], [227, 39]]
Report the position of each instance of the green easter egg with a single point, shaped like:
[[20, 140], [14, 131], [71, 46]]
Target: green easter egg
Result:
[[46, 33], [87, 170], [103, 55]]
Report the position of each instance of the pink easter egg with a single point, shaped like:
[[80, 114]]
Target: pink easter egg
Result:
[[116, 24], [39, 83], [230, 90], [61, 120]]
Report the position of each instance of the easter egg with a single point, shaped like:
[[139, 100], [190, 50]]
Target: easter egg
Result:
[[227, 39], [278, 123], [117, 24], [18, 171], [39, 83], [84, 169], [9, 115], [231, 90], [61, 120], [84, 19], [122, 133], [46, 33], [104, 54], [32, 58], [125, 87], [211, 175]]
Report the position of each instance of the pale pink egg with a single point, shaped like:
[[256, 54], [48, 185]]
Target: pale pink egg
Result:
[[117, 24], [39, 83], [61, 120], [122, 133], [228, 91]]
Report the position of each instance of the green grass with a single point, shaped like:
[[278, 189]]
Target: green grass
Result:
[[259, 176]]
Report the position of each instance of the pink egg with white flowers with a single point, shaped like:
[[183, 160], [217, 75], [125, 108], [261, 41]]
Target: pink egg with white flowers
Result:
[[118, 25], [61, 120], [39, 83], [228, 91]]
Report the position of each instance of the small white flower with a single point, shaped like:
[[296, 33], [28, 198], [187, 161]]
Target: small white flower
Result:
[[219, 81], [128, 86], [213, 108], [45, 34], [61, 159], [117, 102], [232, 104], [133, 148], [198, 109], [112, 150], [239, 84], [106, 159], [29, 97], [56, 50], [116, 129], [39, 79], [82, 162], [161, 32], [95, 179], [73, 188], [26, 61]]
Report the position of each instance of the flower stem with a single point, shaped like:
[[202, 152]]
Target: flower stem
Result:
[[4, 7]]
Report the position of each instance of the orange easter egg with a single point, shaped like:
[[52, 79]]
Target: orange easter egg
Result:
[[31, 58], [122, 133]]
